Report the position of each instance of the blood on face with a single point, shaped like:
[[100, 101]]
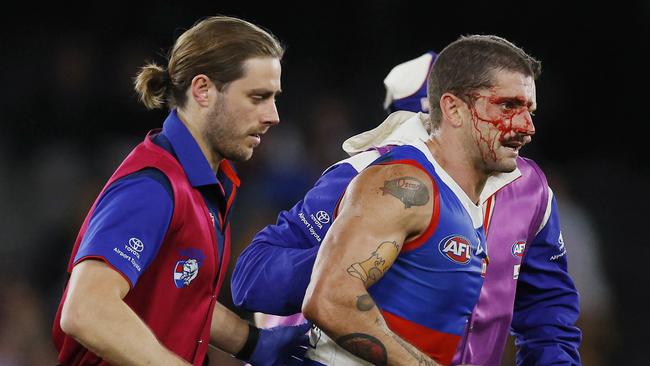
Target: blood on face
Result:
[[506, 118]]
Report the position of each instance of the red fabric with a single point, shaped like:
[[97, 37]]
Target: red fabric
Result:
[[179, 317], [439, 346]]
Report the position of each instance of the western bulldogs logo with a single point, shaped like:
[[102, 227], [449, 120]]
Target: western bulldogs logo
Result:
[[456, 248], [185, 271], [518, 249]]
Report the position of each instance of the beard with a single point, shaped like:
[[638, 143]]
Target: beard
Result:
[[503, 165], [222, 134], [487, 150]]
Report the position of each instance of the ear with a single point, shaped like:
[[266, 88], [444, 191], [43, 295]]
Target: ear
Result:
[[199, 89], [451, 107]]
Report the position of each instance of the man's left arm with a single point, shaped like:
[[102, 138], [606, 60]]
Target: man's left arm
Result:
[[237, 337], [281, 256], [546, 304]]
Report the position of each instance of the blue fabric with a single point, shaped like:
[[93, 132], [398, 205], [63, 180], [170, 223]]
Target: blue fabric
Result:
[[277, 258], [427, 277], [140, 206], [547, 304], [188, 152], [279, 345], [283, 255], [129, 223]]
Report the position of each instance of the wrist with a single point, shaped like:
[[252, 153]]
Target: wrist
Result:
[[246, 351]]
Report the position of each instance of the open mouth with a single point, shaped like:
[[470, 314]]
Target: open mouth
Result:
[[513, 145]]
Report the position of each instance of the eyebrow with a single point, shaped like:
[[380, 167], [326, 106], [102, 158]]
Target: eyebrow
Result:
[[266, 92], [519, 101]]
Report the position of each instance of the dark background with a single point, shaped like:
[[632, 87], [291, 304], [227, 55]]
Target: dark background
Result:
[[69, 115]]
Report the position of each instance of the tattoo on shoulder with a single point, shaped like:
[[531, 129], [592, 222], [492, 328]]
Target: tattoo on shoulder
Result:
[[365, 302], [373, 268], [411, 191], [366, 347]]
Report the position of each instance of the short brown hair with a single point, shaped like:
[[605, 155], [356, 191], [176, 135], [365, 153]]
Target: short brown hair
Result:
[[468, 63], [217, 47]]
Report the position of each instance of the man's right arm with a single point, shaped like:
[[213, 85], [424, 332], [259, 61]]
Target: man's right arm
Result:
[[137, 208], [95, 315], [383, 207]]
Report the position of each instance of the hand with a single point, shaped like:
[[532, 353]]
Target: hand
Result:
[[276, 345]]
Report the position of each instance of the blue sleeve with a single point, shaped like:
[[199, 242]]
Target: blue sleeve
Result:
[[129, 223], [273, 272], [546, 304]]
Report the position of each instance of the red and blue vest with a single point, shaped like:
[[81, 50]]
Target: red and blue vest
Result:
[[180, 317]]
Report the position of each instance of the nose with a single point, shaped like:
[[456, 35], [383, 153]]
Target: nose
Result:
[[523, 123], [270, 114]]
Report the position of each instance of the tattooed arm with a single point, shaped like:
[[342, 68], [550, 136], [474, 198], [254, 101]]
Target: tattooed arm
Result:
[[383, 207]]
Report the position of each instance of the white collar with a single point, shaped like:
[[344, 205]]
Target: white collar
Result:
[[403, 127], [400, 128], [497, 181]]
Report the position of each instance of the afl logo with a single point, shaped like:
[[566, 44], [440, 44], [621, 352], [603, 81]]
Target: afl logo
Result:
[[136, 244], [518, 249], [323, 217], [456, 248]]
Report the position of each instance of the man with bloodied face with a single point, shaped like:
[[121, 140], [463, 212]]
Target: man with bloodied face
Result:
[[497, 99], [399, 272]]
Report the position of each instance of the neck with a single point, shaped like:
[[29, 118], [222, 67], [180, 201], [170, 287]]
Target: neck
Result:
[[213, 158], [454, 160]]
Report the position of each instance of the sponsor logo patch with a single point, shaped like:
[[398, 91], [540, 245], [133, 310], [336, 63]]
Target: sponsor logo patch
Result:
[[456, 248], [185, 271], [518, 249], [136, 244], [323, 217]]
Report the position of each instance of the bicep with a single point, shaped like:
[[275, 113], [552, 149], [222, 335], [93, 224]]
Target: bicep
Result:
[[95, 292], [96, 279], [383, 207]]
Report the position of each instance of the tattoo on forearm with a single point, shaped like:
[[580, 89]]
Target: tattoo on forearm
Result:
[[365, 302], [411, 191], [366, 347], [422, 359], [371, 270]]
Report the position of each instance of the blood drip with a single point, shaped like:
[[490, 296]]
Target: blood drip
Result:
[[503, 121]]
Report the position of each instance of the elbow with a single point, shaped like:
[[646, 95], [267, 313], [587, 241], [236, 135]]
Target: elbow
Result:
[[74, 320], [319, 308], [309, 307]]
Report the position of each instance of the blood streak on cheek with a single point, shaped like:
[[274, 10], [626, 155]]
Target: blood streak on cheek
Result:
[[502, 121], [490, 139]]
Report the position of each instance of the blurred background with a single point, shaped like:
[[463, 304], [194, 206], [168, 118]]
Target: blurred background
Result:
[[70, 115]]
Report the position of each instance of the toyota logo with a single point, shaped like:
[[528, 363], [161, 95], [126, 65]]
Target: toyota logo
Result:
[[136, 244], [323, 217]]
